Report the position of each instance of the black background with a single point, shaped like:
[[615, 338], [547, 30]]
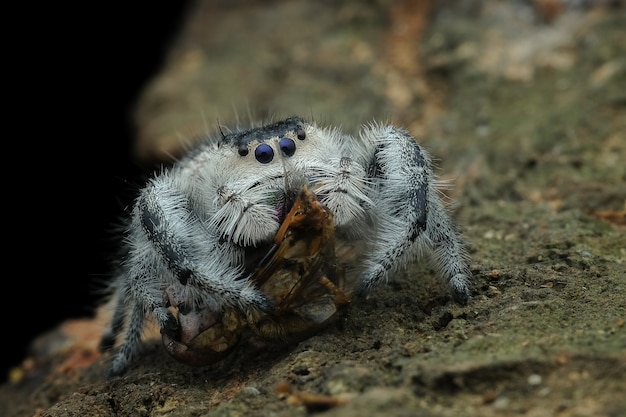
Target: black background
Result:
[[68, 163]]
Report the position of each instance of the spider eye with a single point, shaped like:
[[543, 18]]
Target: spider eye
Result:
[[287, 146], [264, 153], [243, 150], [300, 133]]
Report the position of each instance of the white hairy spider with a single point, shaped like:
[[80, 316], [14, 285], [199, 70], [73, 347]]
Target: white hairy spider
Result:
[[199, 229]]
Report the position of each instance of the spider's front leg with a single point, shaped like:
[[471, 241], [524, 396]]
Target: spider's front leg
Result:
[[412, 219], [173, 255]]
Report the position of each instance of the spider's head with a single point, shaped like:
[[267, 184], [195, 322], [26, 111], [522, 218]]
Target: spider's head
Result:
[[265, 161], [269, 143], [288, 150], [249, 179]]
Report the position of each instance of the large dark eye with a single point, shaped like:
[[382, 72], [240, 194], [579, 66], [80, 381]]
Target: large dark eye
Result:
[[264, 153], [287, 146]]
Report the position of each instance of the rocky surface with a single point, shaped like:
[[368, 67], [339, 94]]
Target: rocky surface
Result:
[[523, 105]]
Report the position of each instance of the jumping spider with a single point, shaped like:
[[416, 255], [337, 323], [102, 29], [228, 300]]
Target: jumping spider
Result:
[[274, 229]]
